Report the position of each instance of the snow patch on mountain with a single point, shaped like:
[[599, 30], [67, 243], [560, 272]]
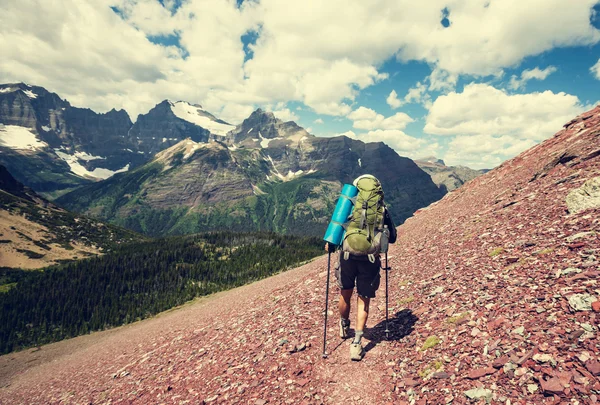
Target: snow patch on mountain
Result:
[[264, 142], [7, 90], [195, 115], [194, 148], [87, 157], [30, 93], [16, 137], [78, 169], [47, 129]]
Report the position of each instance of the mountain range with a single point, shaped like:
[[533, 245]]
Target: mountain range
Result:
[[180, 169], [284, 180]]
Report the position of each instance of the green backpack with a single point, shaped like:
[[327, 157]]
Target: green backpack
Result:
[[363, 234]]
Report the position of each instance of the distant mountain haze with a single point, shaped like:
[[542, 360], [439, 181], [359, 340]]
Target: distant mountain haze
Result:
[[448, 178]]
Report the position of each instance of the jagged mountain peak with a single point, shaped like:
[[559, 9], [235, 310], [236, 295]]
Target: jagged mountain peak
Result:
[[185, 150], [262, 126], [173, 103], [36, 93]]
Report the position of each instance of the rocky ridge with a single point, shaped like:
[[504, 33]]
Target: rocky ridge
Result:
[[493, 299]]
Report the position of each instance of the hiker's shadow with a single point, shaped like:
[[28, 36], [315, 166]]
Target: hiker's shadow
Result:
[[400, 325]]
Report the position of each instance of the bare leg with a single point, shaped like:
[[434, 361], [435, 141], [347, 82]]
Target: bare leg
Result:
[[344, 304], [363, 312]]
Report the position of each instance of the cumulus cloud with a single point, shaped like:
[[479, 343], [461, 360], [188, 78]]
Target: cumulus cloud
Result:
[[596, 70], [529, 74], [349, 134], [489, 125], [483, 109], [235, 113], [366, 118], [285, 115], [393, 100], [485, 151], [416, 94], [306, 51], [318, 121], [442, 80], [394, 138], [150, 16]]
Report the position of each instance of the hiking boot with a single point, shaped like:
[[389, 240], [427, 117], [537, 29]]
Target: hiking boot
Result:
[[356, 352], [344, 328]]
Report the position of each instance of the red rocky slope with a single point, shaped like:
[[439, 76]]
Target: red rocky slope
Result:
[[491, 291]]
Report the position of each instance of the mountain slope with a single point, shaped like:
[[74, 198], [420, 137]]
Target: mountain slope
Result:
[[35, 233], [448, 177], [487, 298], [285, 180]]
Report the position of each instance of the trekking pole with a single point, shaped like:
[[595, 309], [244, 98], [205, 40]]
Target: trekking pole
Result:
[[387, 269], [326, 305], [384, 248]]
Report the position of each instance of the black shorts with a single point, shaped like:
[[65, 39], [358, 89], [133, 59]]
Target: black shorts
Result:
[[359, 272]]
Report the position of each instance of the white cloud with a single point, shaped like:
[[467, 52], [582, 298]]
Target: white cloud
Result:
[[285, 115], [441, 80], [529, 74], [318, 121], [416, 94], [349, 134], [484, 151], [393, 101], [235, 113], [491, 125], [308, 51], [482, 109], [394, 138], [596, 70], [366, 118], [150, 16]]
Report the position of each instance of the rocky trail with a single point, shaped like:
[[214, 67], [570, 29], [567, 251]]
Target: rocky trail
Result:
[[493, 299]]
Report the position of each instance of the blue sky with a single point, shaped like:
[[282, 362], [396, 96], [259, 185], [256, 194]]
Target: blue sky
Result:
[[473, 82]]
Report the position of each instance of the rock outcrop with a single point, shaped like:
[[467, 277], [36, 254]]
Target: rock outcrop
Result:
[[585, 197]]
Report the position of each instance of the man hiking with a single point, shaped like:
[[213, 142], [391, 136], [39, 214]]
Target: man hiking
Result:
[[359, 263]]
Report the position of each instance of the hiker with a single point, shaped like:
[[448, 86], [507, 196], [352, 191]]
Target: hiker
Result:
[[359, 263]]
